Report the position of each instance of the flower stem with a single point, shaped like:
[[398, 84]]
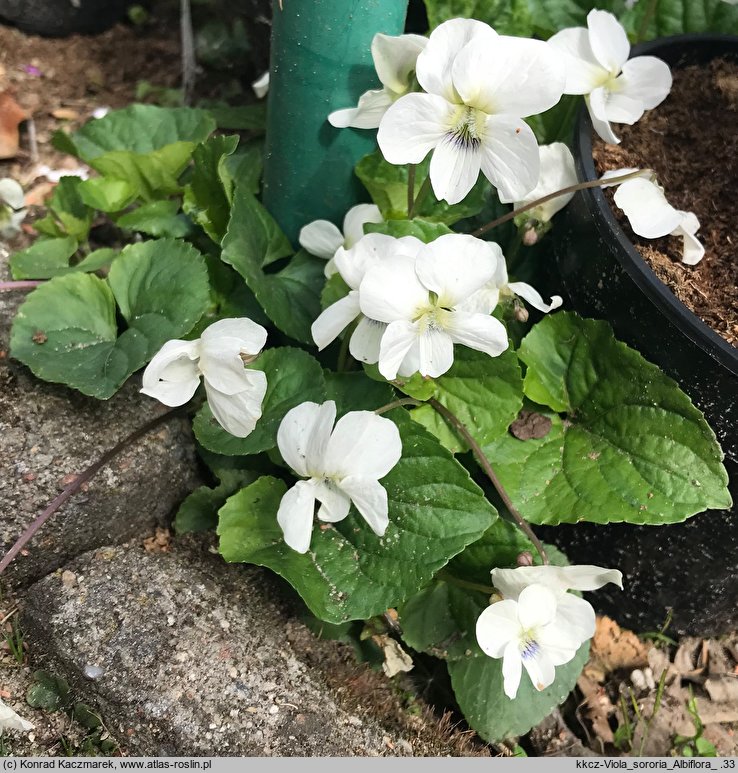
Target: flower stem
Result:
[[30, 285], [459, 426], [451, 579], [343, 354], [77, 483], [397, 404], [422, 193], [569, 189], [410, 189]]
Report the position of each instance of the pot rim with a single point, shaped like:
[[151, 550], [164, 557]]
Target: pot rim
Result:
[[683, 318]]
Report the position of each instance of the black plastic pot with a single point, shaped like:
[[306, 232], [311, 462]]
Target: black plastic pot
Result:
[[57, 18], [690, 567]]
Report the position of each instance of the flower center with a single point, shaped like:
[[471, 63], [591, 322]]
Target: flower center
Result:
[[529, 647], [432, 316], [466, 127]]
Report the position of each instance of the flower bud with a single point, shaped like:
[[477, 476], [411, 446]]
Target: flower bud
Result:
[[530, 235], [520, 313], [525, 559]]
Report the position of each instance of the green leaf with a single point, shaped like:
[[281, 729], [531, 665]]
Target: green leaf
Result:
[[107, 194], [478, 685], [48, 692], [676, 17], [435, 510], [485, 392], [290, 297], [245, 166], [417, 386], [44, 258], [293, 377], [69, 209], [508, 17], [248, 118], [550, 16], [334, 289], [139, 129], [159, 218], [207, 199], [632, 448], [556, 124], [356, 392], [424, 230], [66, 331], [387, 185]]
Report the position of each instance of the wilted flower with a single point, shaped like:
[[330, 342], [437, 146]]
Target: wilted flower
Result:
[[617, 89], [323, 239], [12, 210], [342, 464], [480, 87], [234, 392], [394, 61], [421, 300]]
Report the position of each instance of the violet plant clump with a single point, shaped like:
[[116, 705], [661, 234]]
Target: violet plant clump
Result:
[[346, 394]]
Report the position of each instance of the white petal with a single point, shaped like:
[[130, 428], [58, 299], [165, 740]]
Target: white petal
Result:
[[536, 606], [396, 342], [510, 158], [478, 331], [251, 336], [335, 319], [647, 79], [356, 218], [588, 577], [413, 126], [354, 262], [533, 297], [455, 266], [512, 669], [11, 193], [561, 638], [454, 168], [303, 436], [510, 582], [497, 626], [261, 85], [370, 499], [539, 666], [693, 250], [596, 103], [239, 412], [363, 444], [483, 301], [434, 64], [644, 204], [367, 114], [295, 515], [222, 366], [435, 353], [334, 504], [577, 617], [557, 171], [172, 376], [395, 59], [620, 107], [608, 40], [366, 340], [583, 72], [321, 238], [10, 720], [392, 291], [510, 76]]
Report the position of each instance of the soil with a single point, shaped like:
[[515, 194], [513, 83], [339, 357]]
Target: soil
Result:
[[691, 143]]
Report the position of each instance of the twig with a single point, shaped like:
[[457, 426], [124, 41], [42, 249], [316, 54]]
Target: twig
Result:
[[30, 285], [189, 63], [459, 426], [77, 483], [548, 197], [32, 140]]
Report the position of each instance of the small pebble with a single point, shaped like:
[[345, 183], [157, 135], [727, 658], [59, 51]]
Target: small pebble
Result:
[[93, 672]]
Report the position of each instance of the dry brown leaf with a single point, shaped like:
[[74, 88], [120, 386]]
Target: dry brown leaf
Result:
[[710, 711], [598, 707], [614, 647], [719, 661], [11, 115], [36, 197], [722, 689], [685, 660]]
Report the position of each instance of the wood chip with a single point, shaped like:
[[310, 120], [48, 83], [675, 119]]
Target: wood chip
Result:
[[11, 116]]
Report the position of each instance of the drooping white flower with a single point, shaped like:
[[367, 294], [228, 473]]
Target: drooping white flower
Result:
[[650, 215], [261, 85], [12, 209], [556, 172], [527, 632], [10, 720], [617, 89], [480, 85], [341, 465], [323, 239], [394, 60], [234, 392], [488, 296], [421, 299], [352, 264]]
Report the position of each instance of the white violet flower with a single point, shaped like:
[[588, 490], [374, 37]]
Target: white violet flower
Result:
[[394, 60], [557, 172], [12, 209], [261, 85], [323, 239], [10, 720], [341, 464], [234, 392], [651, 216], [539, 625], [480, 86], [421, 299], [617, 89], [352, 264]]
